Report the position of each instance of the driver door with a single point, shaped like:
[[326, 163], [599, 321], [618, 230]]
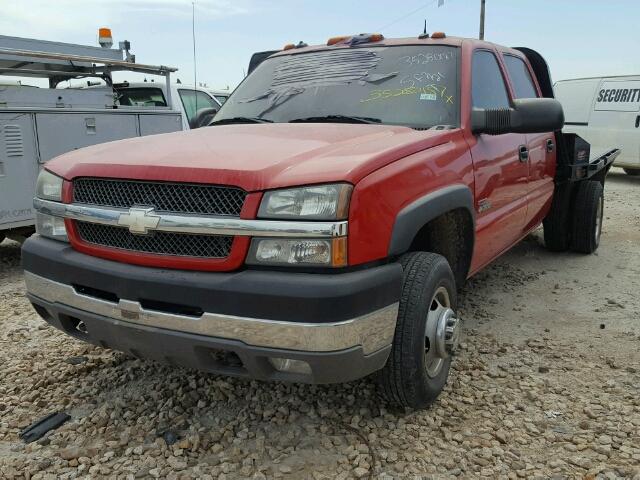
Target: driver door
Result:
[[501, 167]]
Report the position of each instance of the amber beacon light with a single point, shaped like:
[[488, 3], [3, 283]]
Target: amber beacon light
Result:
[[104, 37]]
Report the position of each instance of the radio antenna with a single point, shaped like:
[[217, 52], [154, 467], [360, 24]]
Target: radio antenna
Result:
[[195, 70]]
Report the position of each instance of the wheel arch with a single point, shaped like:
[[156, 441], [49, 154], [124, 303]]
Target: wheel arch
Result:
[[443, 222]]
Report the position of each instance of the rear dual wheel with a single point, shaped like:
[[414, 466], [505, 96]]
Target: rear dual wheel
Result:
[[556, 223], [575, 219], [426, 335], [587, 220]]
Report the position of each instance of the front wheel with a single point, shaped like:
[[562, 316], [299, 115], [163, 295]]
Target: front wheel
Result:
[[588, 214], [634, 172], [426, 335]]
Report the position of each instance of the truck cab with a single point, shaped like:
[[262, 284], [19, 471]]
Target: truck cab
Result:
[[319, 228], [187, 98]]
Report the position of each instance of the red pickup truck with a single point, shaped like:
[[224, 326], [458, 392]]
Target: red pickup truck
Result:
[[318, 229]]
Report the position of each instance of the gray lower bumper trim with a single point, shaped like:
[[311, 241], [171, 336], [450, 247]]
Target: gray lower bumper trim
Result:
[[372, 332]]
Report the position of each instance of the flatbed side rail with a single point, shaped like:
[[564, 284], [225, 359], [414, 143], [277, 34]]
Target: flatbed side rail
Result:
[[584, 171]]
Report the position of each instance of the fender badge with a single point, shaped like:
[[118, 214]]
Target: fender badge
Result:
[[484, 205]]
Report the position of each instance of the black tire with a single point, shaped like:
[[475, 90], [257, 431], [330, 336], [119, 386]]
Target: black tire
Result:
[[404, 378], [634, 172], [2, 237], [556, 224], [587, 220]]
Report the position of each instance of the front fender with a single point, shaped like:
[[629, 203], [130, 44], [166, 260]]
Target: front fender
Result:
[[421, 211]]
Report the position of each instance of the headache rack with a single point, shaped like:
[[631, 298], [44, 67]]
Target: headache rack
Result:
[[576, 161]]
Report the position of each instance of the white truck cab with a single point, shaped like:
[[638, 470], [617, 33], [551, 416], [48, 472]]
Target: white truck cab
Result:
[[605, 111], [187, 98]]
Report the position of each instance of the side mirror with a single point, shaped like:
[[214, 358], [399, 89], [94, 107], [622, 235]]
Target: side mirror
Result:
[[203, 117], [528, 115]]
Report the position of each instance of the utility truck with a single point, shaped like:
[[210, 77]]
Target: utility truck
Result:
[[40, 123], [319, 228]]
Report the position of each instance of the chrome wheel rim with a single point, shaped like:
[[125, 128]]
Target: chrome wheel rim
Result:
[[433, 359]]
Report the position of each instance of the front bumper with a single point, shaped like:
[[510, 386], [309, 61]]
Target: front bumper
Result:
[[340, 325]]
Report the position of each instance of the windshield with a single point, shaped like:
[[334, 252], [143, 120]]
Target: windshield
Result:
[[415, 86]]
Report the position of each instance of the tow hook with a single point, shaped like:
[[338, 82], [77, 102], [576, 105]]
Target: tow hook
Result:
[[447, 333]]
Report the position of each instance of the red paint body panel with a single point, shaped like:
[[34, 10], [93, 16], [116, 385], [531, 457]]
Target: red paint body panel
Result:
[[252, 157], [542, 171], [389, 166], [395, 186]]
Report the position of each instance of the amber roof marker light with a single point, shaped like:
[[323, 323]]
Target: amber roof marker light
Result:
[[355, 39], [334, 40], [300, 44]]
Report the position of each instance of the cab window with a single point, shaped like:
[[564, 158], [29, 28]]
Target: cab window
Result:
[[520, 77], [194, 100], [141, 97], [488, 88]]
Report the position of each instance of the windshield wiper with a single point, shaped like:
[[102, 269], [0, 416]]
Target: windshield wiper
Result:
[[240, 120], [336, 119]]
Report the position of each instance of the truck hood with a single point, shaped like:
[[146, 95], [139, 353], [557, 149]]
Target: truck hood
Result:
[[253, 157]]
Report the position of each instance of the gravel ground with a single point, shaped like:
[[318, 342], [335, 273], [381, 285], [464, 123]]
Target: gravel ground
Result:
[[546, 385]]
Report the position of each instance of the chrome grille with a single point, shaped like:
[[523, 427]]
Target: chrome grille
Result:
[[186, 198], [162, 243]]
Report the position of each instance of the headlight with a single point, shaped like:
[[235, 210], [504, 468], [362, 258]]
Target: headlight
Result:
[[320, 202], [49, 186], [301, 252], [51, 227]]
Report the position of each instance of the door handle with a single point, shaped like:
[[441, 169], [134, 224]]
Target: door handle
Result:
[[523, 153], [637, 121], [550, 145]]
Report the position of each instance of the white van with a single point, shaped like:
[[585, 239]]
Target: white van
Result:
[[154, 94], [605, 111]]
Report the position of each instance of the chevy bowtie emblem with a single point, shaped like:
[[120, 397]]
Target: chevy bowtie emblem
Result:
[[139, 220]]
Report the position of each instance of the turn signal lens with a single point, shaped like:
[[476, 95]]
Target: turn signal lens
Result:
[[339, 252]]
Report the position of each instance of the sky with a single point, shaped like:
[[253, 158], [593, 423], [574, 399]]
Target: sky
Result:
[[577, 37]]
